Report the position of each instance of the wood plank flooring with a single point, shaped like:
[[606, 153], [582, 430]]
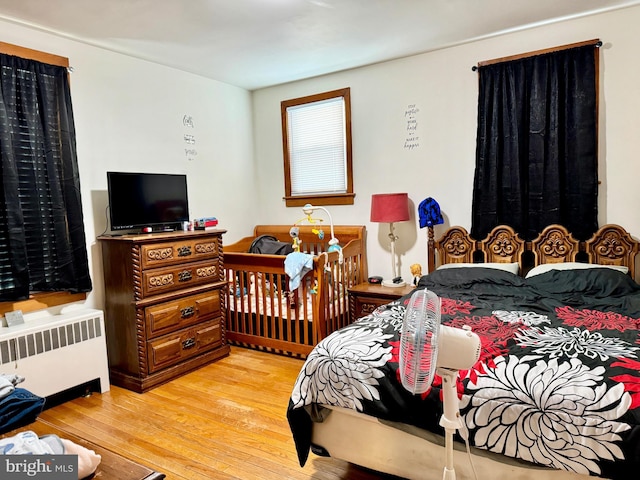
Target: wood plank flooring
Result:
[[224, 421]]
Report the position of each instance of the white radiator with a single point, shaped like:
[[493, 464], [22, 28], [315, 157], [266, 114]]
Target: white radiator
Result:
[[56, 352]]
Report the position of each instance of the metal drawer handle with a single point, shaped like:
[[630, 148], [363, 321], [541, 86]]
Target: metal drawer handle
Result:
[[187, 312], [184, 276], [184, 251], [189, 343]]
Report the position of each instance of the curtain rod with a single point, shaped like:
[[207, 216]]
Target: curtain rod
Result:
[[596, 43]]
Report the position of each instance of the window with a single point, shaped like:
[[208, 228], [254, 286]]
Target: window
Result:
[[43, 254], [316, 138], [537, 143]]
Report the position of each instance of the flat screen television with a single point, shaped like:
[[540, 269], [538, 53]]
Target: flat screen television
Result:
[[157, 201]]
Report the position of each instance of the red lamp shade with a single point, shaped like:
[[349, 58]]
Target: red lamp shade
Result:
[[389, 207]]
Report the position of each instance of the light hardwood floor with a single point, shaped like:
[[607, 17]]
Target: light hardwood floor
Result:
[[224, 421]]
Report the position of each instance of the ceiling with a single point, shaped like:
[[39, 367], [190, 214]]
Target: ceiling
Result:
[[259, 43]]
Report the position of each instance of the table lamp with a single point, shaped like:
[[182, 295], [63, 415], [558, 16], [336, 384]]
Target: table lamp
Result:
[[391, 208]]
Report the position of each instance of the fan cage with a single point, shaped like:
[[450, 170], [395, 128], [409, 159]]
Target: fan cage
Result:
[[419, 341]]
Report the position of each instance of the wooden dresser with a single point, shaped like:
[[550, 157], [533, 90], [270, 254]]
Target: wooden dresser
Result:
[[164, 305]]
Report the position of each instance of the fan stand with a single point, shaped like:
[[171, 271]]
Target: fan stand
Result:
[[450, 419], [425, 344]]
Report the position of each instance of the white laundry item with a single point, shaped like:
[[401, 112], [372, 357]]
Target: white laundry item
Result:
[[8, 383], [28, 442]]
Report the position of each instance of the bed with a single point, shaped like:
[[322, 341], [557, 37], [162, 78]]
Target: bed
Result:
[[264, 313], [555, 394]]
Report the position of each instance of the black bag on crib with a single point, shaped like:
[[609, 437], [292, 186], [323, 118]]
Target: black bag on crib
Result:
[[270, 245]]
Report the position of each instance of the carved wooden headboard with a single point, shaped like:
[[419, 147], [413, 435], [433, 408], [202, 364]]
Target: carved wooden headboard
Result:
[[610, 245]]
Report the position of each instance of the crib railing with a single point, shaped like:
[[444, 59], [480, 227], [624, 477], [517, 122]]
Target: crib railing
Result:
[[262, 310]]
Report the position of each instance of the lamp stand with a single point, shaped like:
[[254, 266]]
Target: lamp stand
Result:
[[394, 274]]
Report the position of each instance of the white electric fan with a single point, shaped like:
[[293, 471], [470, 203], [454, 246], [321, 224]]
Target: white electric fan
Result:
[[427, 347]]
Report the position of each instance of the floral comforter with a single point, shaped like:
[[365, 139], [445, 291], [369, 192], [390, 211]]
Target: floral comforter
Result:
[[557, 383]]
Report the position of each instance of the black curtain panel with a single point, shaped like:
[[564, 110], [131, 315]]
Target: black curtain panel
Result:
[[536, 154], [42, 238]]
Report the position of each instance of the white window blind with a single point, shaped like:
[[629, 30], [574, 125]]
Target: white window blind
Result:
[[317, 147]]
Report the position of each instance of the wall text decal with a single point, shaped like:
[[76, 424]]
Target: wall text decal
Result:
[[412, 140], [189, 138]]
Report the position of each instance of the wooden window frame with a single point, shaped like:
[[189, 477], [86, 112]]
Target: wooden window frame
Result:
[[346, 198], [38, 300]]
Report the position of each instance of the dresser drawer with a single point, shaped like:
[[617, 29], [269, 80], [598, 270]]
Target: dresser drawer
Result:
[[173, 348], [170, 253], [171, 316], [177, 277], [366, 305]]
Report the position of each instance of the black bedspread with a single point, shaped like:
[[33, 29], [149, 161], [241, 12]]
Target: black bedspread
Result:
[[557, 383]]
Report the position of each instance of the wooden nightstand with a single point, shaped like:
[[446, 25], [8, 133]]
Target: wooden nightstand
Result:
[[364, 298]]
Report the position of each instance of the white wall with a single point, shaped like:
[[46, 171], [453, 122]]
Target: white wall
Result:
[[129, 116], [443, 87]]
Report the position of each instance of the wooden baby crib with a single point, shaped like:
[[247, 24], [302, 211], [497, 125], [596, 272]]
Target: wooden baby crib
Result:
[[261, 311]]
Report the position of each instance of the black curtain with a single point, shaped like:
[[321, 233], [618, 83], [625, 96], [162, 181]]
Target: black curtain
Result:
[[536, 156], [42, 239]]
